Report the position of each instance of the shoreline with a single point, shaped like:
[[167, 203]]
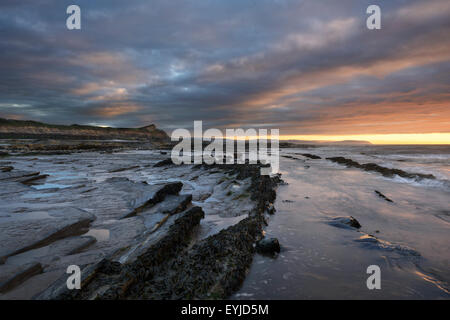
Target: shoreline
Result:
[[141, 227]]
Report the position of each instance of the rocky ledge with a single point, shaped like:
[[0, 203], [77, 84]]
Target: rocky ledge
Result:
[[178, 267], [387, 172], [137, 231]]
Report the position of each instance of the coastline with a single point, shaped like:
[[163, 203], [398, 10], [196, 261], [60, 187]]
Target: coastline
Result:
[[143, 228]]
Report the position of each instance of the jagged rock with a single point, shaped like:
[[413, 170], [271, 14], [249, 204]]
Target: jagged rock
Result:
[[387, 172], [166, 264], [148, 196], [172, 204], [123, 169], [345, 222], [268, 246], [165, 248]]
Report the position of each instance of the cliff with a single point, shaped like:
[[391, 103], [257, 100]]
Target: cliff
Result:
[[19, 129]]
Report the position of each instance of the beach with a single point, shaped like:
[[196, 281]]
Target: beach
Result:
[[406, 233], [335, 211]]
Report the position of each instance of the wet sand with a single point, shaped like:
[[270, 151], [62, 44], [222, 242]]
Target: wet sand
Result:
[[319, 260]]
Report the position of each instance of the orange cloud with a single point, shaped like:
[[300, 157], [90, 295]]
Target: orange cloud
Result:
[[114, 111]]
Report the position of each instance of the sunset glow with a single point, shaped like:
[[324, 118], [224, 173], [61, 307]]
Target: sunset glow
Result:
[[423, 138]]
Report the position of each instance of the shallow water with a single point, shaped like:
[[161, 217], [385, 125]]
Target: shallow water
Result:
[[321, 261]]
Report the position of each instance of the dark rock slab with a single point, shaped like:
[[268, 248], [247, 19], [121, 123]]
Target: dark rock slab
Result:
[[33, 179], [171, 204], [160, 191], [387, 172], [117, 278], [59, 289], [211, 269]]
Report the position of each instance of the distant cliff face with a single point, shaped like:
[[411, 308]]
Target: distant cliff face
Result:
[[18, 129]]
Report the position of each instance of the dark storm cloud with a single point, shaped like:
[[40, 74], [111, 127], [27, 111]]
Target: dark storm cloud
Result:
[[304, 66]]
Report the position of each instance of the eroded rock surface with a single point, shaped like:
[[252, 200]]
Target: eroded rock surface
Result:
[[112, 213]]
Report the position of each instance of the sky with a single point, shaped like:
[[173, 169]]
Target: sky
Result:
[[310, 68]]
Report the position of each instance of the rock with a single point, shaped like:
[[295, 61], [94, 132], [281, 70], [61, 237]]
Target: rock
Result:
[[311, 156], [38, 229], [172, 204], [345, 222], [268, 246], [162, 163], [48, 254], [383, 196], [59, 290], [6, 169], [387, 172], [203, 197], [133, 272], [271, 208], [33, 179], [12, 276], [34, 285], [145, 195], [123, 169], [17, 174]]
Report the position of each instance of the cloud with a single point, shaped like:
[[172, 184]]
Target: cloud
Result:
[[307, 67], [113, 110]]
